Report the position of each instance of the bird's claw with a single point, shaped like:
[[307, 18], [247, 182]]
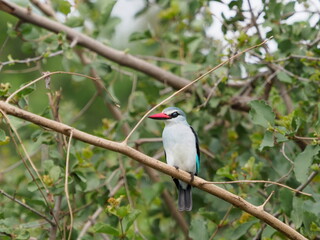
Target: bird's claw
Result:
[[192, 176], [176, 167]]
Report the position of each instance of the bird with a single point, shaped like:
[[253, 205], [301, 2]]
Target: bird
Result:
[[181, 146]]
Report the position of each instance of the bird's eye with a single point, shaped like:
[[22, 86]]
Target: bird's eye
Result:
[[174, 114]]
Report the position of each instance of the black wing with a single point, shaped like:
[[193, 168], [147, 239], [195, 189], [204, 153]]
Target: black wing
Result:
[[198, 149]]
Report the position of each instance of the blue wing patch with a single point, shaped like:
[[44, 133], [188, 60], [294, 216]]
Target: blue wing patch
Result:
[[197, 164]]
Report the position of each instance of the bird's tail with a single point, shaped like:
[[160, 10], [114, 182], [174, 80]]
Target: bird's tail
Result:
[[185, 198]]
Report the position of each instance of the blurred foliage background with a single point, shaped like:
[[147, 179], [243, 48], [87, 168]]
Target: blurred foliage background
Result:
[[257, 117]]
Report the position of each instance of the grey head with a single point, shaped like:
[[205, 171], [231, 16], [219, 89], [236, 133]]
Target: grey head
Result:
[[171, 115], [176, 115]]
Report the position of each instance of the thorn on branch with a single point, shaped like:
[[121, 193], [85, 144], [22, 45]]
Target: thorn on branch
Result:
[[261, 207]]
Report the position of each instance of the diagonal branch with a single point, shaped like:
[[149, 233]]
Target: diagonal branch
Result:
[[158, 165], [27, 207], [117, 56], [193, 82]]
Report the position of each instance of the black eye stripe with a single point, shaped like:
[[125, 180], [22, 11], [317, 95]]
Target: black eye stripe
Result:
[[174, 114]]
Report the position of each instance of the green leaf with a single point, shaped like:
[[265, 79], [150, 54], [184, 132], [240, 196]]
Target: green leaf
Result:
[[268, 232], [212, 216], [194, 45], [107, 7], [140, 36], [138, 101], [303, 162], [288, 9], [75, 21], [123, 211], [21, 234], [32, 187], [280, 137], [55, 173], [106, 228], [286, 197], [286, 45], [198, 229], [129, 220], [26, 91], [297, 212], [187, 68], [242, 229], [268, 140], [47, 165], [64, 7], [4, 88], [2, 135], [283, 77], [261, 113]]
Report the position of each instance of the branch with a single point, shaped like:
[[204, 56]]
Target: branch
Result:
[[158, 165], [126, 129], [66, 184], [45, 76], [261, 181], [117, 56], [309, 58], [27, 207], [193, 82], [114, 55]]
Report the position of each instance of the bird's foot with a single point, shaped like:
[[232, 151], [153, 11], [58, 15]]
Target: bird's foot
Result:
[[176, 167], [192, 177]]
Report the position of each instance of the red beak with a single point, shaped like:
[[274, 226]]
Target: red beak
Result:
[[159, 116]]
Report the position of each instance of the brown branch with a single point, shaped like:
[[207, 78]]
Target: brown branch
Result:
[[44, 76], [126, 129], [114, 55], [221, 224], [45, 8], [260, 181], [27, 207], [155, 164], [117, 56], [193, 82], [309, 58], [66, 184]]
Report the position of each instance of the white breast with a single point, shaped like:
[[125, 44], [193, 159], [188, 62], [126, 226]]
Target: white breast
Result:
[[180, 146]]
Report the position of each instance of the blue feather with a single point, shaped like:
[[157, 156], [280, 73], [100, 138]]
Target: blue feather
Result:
[[197, 163]]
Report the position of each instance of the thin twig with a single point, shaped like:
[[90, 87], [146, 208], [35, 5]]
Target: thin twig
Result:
[[26, 70], [298, 57], [283, 151], [25, 152], [211, 92], [38, 58], [27, 207], [260, 181], [191, 83], [136, 228], [29, 60], [92, 219], [66, 187], [221, 223], [85, 108], [30, 161], [45, 75], [266, 201], [160, 59], [309, 180], [307, 138]]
